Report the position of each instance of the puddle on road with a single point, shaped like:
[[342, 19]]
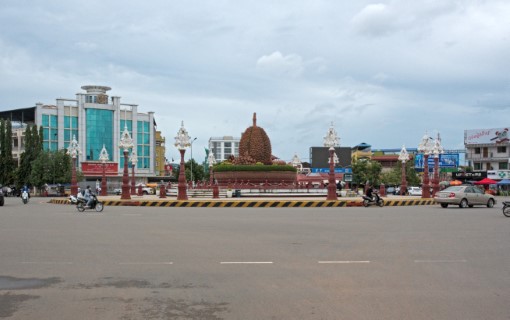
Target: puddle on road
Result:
[[12, 283]]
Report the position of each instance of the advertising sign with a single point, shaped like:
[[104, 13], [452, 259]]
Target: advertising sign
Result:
[[476, 175], [445, 161], [498, 174], [486, 136], [96, 168]]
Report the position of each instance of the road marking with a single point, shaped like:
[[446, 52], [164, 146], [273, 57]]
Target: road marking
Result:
[[46, 262], [439, 261], [246, 262], [132, 214], [146, 263], [342, 262]]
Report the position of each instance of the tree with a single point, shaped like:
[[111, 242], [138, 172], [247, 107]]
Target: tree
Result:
[[394, 177], [7, 161], [198, 171], [366, 171]]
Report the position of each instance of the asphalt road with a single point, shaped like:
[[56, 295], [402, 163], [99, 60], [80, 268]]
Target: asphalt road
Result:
[[126, 263]]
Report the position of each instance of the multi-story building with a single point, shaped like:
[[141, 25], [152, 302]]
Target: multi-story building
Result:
[[488, 150], [159, 166], [95, 121], [224, 147]]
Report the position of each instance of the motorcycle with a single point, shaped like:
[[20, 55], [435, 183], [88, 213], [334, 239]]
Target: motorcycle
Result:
[[506, 208], [81, 203], [24, 197], [375, 200]]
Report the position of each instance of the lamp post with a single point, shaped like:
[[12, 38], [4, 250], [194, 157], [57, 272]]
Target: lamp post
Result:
[[133, 159], [182, 141], [191, 162], [212, 161], [425, 147], [126, 143], [403, 157], [74, 150], [103, 157], [437, 149], [331, 140]]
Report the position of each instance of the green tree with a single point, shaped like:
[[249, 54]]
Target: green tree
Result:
[[394, 177], [366, 171], [8, 163], [198, 171], [25, 168]]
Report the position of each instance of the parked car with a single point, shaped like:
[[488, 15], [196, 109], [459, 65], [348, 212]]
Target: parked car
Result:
[[390, 190], [1, 196], [464, 196], [414, 191]]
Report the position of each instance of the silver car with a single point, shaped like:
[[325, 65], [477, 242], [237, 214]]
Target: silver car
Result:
[[464, 196]]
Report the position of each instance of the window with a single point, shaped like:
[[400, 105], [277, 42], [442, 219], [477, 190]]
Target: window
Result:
[[50, 132], [227, 149], [70, 129], [501, 149], [477, 151], [477, 166], [503, 166], [91, 99], [99, 132], [143, 145]]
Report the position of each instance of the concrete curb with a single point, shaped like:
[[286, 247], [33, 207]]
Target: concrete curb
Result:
[[253, 203]]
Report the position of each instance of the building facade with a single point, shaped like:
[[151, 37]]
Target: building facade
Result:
[[95, 120], [488, 150], [160, 161], [223, 147]]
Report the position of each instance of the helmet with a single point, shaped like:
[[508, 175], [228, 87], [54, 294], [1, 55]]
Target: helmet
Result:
[[88, 187]]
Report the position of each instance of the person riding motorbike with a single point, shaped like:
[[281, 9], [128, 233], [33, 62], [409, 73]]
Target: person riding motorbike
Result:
[[371, 194], [26, 189], [88, 197]]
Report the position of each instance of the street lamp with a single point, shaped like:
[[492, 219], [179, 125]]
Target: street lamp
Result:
[[191, 162], [103, 157], [403, 157], [425, 147], [182, 141], [74, 150], [437, 149], [133, 159], [331, 140], [212, 161], [126, 143]]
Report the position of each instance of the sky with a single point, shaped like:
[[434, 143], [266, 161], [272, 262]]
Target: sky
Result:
[[383, 72]]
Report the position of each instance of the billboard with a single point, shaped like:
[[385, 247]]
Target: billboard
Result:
[[445, 161], [96, 168], [319, 157], [486, 136]]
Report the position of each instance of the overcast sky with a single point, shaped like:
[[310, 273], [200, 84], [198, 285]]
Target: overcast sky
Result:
[[383, 71]]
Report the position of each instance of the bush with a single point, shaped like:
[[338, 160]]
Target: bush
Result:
[[226, 168]]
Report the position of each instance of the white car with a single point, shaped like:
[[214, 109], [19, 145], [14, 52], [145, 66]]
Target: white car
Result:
[[414, 191]]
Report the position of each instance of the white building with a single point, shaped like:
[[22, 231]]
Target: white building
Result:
[[224, 147], [94, 120], [489, 150]]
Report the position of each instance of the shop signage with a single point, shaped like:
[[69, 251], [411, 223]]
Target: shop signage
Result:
[[96, 168], [326, 170], [498, 174], [476, 175]]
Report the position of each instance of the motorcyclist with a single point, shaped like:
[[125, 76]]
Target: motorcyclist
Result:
[[88, 197], [372, 194], [26, 189]]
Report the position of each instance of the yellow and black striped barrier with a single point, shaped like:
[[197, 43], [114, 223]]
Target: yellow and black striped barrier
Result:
[[252, 203]]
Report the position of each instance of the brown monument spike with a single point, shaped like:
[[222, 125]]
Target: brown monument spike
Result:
[[254, 119]]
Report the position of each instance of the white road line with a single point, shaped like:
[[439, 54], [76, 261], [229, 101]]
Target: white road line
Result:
[[342, 262], [146, 263], [439, 261], [46, 262], [246, 262], [132, 214]]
